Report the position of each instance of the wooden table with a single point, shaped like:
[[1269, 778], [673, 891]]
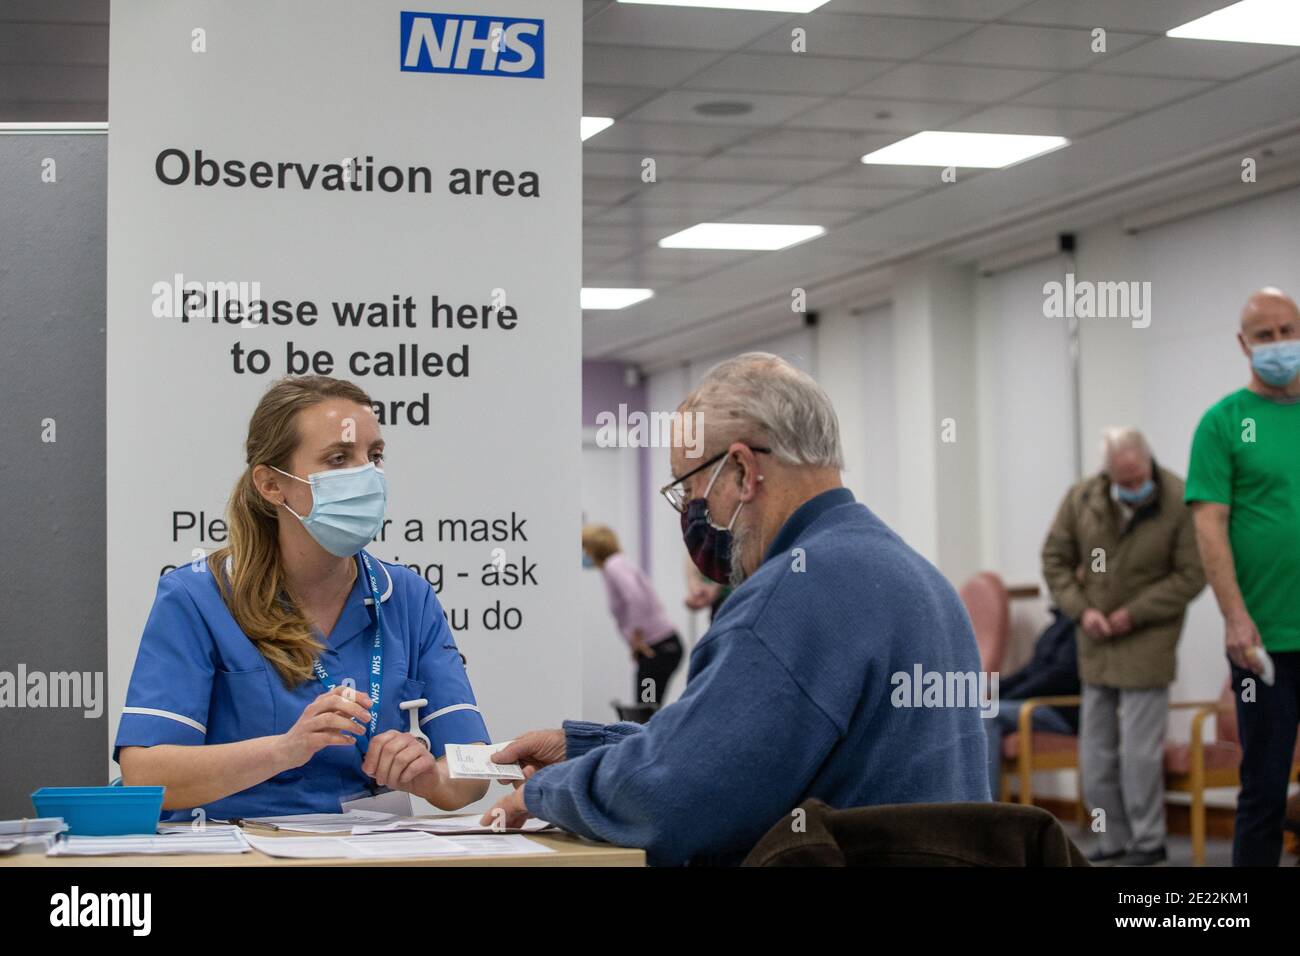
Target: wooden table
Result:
[[569, 851]]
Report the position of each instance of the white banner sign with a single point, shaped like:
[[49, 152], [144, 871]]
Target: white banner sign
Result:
[[383, 193]]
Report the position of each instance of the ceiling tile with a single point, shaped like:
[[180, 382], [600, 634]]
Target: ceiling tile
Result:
[[609, 163], [1043, 120], [888, 38], [600, 189], [889, 177], [689, 194], [787, 72], [767, 109], [961, 84], [653, 138], [658, 220], [1042, 47], [613, 101], [844, 145], [838, 197], [760, 169], [860, 113], [1106, 91], [637, 25], [1145, 16], [1196, 59], [793, 215], [953, 9], [641, 66]]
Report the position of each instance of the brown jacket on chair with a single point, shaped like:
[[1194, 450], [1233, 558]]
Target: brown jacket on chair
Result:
[[1151, 567], [918, 834]]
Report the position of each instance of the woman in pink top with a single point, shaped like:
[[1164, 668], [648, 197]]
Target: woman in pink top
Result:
[[656, 649]]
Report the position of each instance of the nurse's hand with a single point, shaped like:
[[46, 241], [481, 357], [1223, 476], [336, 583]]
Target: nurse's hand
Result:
[[326, 722], [508, 813], [401, 761]]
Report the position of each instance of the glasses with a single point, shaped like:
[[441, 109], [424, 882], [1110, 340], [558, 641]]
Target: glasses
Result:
[[675, 491]]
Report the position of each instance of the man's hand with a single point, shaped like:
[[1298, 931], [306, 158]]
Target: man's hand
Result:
[[1095, 625], [1120, 621], [1241, 635], [533, 750], [508, 813]]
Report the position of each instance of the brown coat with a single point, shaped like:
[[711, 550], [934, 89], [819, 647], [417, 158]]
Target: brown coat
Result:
[[918, 834], [1151, 566]]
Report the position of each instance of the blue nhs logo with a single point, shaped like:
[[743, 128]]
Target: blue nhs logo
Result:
[[478, 45]]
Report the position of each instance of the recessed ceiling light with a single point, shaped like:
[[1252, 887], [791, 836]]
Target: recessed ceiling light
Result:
[[591, 125], [613, 298], [724, 108], [740, 235], [983, 150], [1250, 21], [775, 6]]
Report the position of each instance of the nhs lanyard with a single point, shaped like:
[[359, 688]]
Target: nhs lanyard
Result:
[[376, 654]]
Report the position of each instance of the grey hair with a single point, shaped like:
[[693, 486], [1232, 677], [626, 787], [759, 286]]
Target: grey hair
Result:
[[1120, 438], [761, 398]]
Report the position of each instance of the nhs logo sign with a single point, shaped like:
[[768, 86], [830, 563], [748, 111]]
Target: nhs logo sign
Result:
[[478, 45]]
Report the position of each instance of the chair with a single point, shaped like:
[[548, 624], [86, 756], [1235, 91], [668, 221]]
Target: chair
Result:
[[1193, 766], [1190, 767], [989, 608], [1030, 750]]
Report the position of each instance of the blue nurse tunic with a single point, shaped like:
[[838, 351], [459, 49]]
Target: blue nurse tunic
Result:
[[199, 680]]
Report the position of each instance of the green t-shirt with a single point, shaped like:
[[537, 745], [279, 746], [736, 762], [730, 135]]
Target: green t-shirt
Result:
[[1246, 455]]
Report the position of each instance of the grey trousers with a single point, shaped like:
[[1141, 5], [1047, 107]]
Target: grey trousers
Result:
[[1121, 760]]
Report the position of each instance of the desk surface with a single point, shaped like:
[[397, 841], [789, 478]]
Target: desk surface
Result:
[[569, 851]]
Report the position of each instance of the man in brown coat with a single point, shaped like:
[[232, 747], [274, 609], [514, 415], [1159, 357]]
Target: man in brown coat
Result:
[[1121, 560]]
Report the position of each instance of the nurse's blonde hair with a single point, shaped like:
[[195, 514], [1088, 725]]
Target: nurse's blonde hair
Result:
[[254, 585]]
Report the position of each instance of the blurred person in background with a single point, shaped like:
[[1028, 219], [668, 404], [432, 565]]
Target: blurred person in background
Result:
[[1129, 531], [655, 646]]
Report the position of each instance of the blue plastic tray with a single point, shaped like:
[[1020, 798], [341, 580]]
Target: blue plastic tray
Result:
[[102, 811]]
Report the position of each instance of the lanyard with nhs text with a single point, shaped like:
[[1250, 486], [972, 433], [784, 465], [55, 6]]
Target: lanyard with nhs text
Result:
[[376, 655]]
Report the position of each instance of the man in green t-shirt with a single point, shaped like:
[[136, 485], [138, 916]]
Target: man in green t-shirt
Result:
[[1244, 488]]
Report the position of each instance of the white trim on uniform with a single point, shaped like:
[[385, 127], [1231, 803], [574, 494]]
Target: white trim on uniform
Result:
[[448, 710], [151, 712]]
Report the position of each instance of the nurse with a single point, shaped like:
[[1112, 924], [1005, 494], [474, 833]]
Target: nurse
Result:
[[269, 677]]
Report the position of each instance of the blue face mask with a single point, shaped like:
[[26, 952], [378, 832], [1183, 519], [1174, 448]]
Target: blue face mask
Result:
[[1135, 496], [1276, 363], [586, 560], [347, 507]]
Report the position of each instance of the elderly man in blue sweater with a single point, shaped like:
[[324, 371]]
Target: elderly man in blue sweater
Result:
[[803, 685]]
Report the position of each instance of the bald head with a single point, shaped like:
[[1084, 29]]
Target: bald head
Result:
[[1267, 310]]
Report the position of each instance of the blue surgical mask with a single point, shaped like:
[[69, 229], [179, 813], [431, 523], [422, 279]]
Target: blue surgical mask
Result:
[[1135, 496], [586, 560], [347, 507], [1276, 363]]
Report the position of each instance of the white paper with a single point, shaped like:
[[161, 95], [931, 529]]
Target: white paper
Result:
[[374, 846], [320, 822], [35, 826], [394, 802], [465, 823], [470, 761], [208, 840], [510, 845]]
